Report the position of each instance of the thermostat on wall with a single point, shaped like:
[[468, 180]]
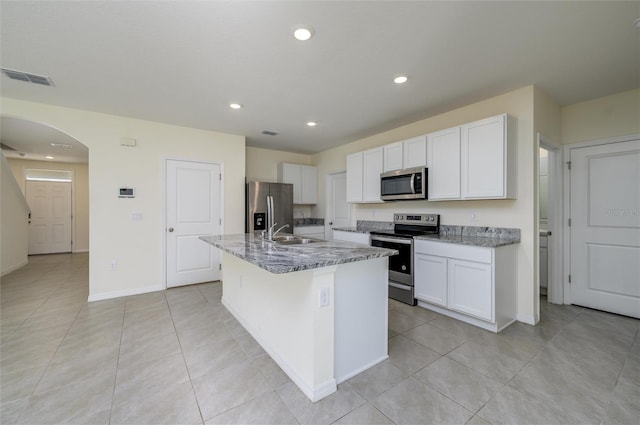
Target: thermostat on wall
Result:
[[127, 192]]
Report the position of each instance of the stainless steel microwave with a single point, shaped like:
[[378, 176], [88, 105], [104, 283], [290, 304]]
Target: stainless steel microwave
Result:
[[410, 183]]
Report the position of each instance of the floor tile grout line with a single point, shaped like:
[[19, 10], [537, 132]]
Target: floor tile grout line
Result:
[[184, 358], [115, 377], [55, 352]]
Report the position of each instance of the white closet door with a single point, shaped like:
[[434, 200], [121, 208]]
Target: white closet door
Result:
[[605, 227]]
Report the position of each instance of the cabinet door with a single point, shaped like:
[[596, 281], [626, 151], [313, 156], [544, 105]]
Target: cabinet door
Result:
[[471, 288], [372, 163], [415, 152], [393, 156], [483, 158], [443, 162], [355, 182], [430, 279], [290, 173], [309, 185]]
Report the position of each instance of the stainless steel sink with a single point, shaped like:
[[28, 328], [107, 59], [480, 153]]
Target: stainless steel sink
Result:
[[298, 241], [293, 240]]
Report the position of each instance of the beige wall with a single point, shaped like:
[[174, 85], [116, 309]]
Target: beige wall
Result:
[[79, 191], [519, 213], [14, 216], [602, 118], [262, 165], [137, 246]]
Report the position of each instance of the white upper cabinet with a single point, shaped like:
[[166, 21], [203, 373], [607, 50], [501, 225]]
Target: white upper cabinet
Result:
[[473, 161], [372, 168], [415, 152], [405, 154], [355, 177], [488, 159], [393, 156], [363, 175], [443, 163], [304, 179]]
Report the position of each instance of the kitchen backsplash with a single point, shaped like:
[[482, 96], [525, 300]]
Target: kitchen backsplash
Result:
[[308, 221], [374, 225], [486, 232]]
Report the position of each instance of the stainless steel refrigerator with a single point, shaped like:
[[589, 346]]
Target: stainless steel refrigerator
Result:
[[257, 218]]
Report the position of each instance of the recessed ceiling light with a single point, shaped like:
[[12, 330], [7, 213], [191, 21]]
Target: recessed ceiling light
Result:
[[235, 106], [311, 124], [400, 79], [50, 157], [61, 145], [303, 33]]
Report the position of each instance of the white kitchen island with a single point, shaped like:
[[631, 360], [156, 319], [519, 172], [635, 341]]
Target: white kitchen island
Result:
[[318, 309]]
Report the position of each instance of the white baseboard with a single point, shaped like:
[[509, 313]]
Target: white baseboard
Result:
[[15, 267], [125, 293], [314, 394], [341, 379], [526, 318], [76, 251]]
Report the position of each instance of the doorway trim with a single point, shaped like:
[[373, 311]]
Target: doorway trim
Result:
[[555, 290], [567, 203], [165, 160], [73, 196], [328, 195]]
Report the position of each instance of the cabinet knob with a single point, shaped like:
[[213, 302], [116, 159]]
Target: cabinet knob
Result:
[[170, 229], [331, 223]]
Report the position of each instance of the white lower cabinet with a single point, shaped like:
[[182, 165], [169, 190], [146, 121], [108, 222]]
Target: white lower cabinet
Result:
[[470, 283], [432, 284], [357, 237], [470, 288]]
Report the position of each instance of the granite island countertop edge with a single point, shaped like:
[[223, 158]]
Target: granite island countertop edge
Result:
[[280, 259]]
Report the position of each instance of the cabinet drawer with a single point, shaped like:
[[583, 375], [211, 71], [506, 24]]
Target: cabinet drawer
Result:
[[450, 250]]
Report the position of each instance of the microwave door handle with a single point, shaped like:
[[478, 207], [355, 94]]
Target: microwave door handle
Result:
[[411, 183]]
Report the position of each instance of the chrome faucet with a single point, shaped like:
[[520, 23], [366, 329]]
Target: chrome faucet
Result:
[[271, 233]]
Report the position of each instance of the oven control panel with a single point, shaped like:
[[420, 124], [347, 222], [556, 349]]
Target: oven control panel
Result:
[[419, 219]]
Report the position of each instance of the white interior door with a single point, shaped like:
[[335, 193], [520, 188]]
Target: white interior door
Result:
[[605, 227], [193, 210], [338, 210], [50, 224]]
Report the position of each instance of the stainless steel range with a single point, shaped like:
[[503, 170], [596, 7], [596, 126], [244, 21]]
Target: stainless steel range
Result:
[[405, 227]]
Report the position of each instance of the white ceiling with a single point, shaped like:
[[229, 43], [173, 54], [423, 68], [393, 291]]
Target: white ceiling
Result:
[[184, 62]]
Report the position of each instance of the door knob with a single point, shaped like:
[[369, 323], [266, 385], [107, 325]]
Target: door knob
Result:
[[170, 229]]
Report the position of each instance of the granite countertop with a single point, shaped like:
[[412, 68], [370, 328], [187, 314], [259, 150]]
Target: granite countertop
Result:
[[364, 226], [491, 237], [483, 241], [278, 259]]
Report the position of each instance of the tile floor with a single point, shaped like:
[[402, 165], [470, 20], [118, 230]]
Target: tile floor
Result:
[[179, 357]]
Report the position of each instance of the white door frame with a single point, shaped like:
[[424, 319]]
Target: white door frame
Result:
[[555, 290], [567, 204], [327, 197], [73, 197], [164, 202]]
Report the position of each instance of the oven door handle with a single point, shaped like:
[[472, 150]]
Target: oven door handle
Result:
[[412, 185], [400, 241]]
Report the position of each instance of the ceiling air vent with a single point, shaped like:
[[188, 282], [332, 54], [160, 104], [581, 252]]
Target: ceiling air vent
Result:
[[27, 77], [270, 133]]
